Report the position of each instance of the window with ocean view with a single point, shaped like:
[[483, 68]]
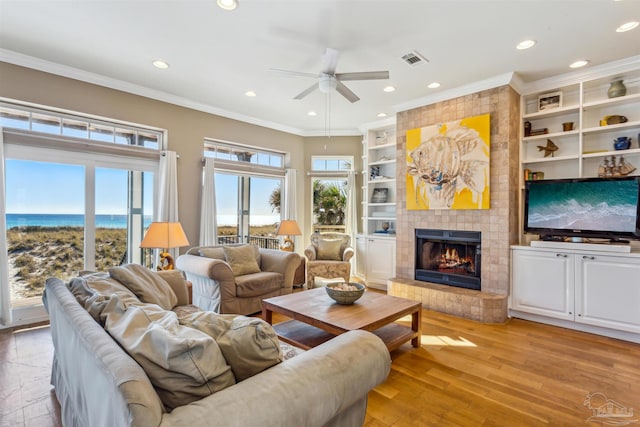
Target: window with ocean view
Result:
[[248, 183], [47, 225], [245, 212], [72, 207]]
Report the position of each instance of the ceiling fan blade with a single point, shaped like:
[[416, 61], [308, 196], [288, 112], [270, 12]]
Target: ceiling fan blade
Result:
[[307, 91], [346, 92], [293, 73], [365, 75], [329, 61]]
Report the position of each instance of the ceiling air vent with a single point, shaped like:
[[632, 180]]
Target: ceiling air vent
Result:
[[414, 58]]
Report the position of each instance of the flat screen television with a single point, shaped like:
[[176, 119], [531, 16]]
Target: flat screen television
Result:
[[606, 208]]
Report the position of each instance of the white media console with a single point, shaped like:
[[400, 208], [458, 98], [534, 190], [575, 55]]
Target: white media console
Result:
[[586, 286]]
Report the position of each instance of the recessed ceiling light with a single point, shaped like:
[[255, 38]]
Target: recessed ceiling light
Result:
[[580, 63], [525, 44], [227, 4], [159, 63], [382, 114], [389, 89], [312, 113], [250, 93], [433, 85], [627, 26]]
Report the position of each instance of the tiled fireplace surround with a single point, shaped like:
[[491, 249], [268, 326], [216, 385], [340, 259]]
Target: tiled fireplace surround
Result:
[[498, 225]]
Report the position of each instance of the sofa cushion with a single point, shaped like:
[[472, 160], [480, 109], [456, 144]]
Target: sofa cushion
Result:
[[214, 252], [329, 249], [93, 291], [147, 285], [183, 364], [242, 259], [253, 285], [249, 344]]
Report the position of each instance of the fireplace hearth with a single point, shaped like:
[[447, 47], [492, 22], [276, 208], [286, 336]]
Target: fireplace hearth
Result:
[[448, 257]]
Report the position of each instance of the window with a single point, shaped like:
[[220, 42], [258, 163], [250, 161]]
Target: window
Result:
[[248, 184], [72, 205], [55, 227], [243, 154], [18, 116], [329, 189]]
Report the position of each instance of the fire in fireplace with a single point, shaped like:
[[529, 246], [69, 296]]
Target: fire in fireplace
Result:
[[448, 257]]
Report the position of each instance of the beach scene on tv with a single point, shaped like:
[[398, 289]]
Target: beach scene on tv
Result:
[[607, 206]]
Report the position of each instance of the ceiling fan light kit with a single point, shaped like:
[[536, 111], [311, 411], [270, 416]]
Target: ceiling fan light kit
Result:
[[328, 80]]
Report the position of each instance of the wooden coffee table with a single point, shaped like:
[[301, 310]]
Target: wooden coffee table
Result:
[[316, 318]]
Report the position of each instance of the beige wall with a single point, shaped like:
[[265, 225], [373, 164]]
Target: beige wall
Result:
[[186, 128]]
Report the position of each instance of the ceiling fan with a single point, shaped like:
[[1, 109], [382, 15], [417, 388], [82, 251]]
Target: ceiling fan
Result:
[[328, 79]]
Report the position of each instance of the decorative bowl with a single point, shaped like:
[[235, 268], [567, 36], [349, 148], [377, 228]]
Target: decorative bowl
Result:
[[622, 143], [345, 292]]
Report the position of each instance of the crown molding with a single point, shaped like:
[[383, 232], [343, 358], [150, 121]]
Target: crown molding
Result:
[[22, 60], [378, 124], [490, 83], [598, 71]]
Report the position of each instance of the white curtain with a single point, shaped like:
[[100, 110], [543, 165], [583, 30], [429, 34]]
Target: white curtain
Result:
[[5, 289], [168, 191], [352, 207], [288, 205], [208, 225]]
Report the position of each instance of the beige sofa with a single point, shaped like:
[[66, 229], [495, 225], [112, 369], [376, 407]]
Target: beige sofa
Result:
[[99, 384], [216, 287]]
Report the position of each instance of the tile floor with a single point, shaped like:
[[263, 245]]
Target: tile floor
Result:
[[26, 397]]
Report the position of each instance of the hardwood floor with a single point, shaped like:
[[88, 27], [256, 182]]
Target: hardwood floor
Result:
[[465, 374]]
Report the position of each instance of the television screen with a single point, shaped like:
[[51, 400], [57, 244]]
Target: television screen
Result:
[[591, 207]]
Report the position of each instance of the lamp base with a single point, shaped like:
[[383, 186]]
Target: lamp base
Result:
[[287, 245], [166, 262]]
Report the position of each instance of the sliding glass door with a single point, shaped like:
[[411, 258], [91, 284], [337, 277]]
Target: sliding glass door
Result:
[[45, 225], [71, 211], [245, 209]]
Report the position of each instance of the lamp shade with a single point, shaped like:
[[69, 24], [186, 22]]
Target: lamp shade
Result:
[[288, 227], [164, 235]]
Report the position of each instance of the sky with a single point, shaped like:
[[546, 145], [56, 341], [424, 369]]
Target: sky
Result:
[[53, 188]]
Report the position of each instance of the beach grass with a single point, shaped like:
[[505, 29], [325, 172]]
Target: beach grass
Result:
[[37, 253]]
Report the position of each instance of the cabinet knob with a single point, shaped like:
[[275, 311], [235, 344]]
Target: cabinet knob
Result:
[[588, 257], [570, 313], [579, 315], [562, 255]]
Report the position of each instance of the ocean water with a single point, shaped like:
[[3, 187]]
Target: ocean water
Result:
[[66, 220], [605, 205], [112, 221]]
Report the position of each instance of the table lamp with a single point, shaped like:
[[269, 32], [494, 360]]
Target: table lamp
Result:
[[164, 235], [288, 227]]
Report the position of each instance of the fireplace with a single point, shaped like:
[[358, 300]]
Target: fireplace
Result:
[[448, 257]]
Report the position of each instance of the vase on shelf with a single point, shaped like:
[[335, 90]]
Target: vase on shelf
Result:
[[617, 89]]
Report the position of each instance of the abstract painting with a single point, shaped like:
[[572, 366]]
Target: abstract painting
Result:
[[448, 165]]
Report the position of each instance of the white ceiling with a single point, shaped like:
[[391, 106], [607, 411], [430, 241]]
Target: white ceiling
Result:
[[216, 55]]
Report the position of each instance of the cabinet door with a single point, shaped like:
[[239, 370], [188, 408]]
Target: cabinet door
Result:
[[381, 260], [361, 256], [608, 292], [542, 283]]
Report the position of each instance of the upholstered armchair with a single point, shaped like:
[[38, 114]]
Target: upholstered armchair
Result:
[[329, 256], [236, 278]]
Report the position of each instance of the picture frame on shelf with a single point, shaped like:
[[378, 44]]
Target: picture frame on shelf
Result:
[[380, 195], [549, 101]]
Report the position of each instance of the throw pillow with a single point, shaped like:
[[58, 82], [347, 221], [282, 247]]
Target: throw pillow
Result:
[[249, 344], [183, 364], [242, 259], [148, 286], [329, 249]]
